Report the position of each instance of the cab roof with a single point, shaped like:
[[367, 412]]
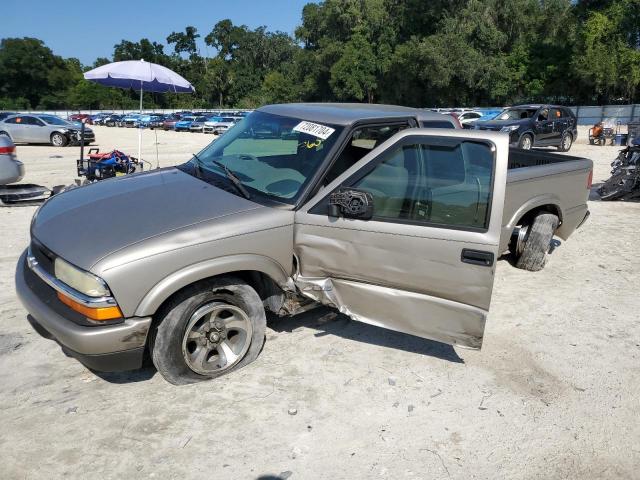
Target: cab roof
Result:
[[346, 114]]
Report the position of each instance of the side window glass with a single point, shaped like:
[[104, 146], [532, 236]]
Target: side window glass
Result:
[[394, 183], [444, 185], [458, 182], [13, 120], [362, 141], [555, 114]]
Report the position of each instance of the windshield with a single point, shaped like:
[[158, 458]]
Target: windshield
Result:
[[271, 155], [52, 120], [516, 114]]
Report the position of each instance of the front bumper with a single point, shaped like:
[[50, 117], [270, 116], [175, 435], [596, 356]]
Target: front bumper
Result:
[[105, 348]]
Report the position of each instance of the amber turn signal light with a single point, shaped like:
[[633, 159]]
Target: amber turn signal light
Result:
[[100, 313]]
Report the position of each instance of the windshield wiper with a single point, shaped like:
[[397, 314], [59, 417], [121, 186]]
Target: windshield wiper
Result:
[[197, 167], [228, 173], [235, 180]]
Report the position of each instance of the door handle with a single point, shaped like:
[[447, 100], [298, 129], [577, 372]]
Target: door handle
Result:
[[477, 257]]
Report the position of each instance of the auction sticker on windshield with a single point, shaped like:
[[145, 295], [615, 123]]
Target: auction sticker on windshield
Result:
[[315, 129]]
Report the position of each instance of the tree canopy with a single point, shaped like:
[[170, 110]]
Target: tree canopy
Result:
[[409, 52]]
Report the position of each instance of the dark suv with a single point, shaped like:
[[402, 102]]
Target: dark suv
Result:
[[535, 126]]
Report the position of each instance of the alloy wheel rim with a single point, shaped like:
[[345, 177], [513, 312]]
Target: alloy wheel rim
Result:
[[217, 337], [566, 143], [526, 143], [57, 140]]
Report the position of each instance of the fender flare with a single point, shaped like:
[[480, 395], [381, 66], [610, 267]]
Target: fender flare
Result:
[[533, 203], [5, 132], [528, 132], [169, 285]]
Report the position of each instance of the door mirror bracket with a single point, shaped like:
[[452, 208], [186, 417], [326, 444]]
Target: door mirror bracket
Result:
[[351, 203]]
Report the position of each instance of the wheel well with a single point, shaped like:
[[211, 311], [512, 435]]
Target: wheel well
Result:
[[528, 217], [268, 289]]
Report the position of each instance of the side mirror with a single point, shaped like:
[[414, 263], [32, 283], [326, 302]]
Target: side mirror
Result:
[[351, 203]]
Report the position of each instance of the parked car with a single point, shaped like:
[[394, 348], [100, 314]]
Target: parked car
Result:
[[11, 169], [197, 124], [535, 126], [99, 118], [218, 125], [80, 117], [113, 120], [467, 118], [170, 122], [184, 124], [156, 121], [44, 129], [131, 120], [348, 206], [144, 120]]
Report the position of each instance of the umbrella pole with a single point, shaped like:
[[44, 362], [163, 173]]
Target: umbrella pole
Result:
[[140, 128]]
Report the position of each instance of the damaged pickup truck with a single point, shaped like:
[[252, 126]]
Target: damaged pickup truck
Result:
[[389, 214]]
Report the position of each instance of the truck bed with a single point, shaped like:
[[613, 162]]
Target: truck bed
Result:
[[540, 179]]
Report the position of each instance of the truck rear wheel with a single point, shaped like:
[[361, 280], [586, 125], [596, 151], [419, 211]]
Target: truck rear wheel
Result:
[[534, 241], [208, 330]]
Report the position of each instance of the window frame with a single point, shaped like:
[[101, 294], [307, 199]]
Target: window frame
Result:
[[316, 183], [321, 207]]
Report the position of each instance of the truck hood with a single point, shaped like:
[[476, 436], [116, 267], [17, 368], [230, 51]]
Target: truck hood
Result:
[[86, 224]]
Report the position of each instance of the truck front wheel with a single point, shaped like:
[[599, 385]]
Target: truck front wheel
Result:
[[208, 330], [534, 241]]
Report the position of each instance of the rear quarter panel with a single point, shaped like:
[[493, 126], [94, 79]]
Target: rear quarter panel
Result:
[[563, 185]]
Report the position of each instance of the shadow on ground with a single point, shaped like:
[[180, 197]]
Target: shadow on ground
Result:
[[329, 322], [511, 260], [326, 322], [133, 376]]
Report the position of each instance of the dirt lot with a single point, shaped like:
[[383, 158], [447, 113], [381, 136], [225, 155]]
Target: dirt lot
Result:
[[554, 392]]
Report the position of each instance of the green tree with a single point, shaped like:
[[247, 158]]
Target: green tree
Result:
[[184, 42], [30, 71], [353, 76]]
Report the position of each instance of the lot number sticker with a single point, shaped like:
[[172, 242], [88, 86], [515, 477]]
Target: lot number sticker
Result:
[[315, 129]]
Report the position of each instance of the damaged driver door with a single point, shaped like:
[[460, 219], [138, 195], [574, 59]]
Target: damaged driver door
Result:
[[408, 237]]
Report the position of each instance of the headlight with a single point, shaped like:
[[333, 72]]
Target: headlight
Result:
[[510, 128], [80, 280]]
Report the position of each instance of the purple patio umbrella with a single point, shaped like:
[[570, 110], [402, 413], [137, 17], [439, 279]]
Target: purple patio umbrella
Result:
[[138, 74]]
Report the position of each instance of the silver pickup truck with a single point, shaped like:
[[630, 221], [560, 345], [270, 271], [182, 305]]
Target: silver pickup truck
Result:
[[388, 214]]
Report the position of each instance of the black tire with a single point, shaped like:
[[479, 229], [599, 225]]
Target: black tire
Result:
[[537, 242], [525, 142], [166, 340], [565, 142], [58, 139]]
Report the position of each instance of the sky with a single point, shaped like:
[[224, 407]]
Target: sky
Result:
[[89, 29]]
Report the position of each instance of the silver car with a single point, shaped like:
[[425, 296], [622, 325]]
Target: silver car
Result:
[[197, 124], [11, 169], [44, 129], [219, 125]]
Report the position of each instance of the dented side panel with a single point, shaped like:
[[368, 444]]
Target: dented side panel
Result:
[[400, 310]]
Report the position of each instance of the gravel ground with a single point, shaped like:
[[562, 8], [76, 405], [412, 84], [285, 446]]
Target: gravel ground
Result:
[[554, 392]]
